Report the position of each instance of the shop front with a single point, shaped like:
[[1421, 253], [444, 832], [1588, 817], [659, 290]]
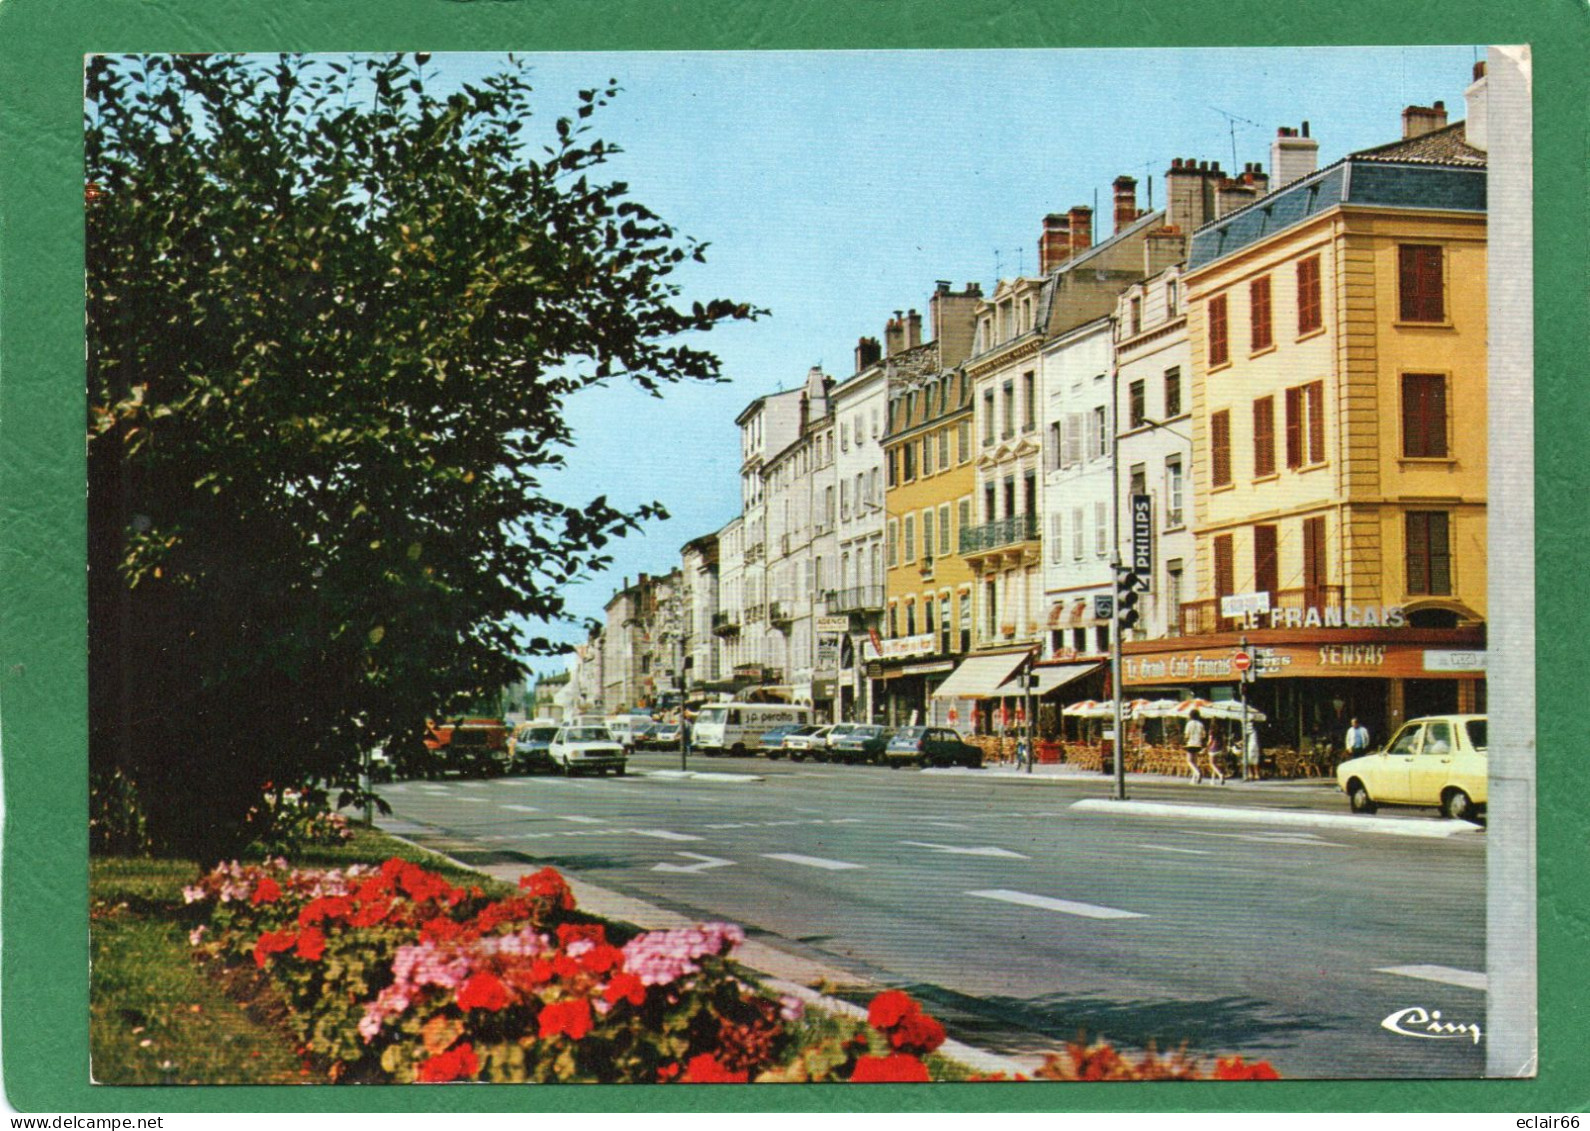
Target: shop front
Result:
[[1311, 683]]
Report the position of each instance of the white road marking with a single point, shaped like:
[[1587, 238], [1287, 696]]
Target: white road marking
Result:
[[582, 820], [664, 834], [476, 800], [705, 862], [473, 784], [958, 850], [1276, 837], [947, 824], [1070, 907], [1468, 979], [731, 825], [520, 808], [1168, 848], [1232, 814], [811, 861]]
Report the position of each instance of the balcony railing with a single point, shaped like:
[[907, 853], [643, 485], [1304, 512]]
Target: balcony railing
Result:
[[858, 599], [753, 552], [780, 612], [1001, 532], [1199, 618], [725, 624], [754, 613]]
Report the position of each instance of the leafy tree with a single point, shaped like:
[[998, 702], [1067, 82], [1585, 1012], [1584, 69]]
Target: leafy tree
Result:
[[332, 321]]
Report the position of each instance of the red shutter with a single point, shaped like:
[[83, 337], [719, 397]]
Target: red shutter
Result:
[[1259, 300], [1224, 570], [1266, 566], [1218, 350], [1220, 446], [1309, 316], [1424, 416], [1263, 437], [1314, 562], [1316, 421], [1294, 427], [1420, 283]]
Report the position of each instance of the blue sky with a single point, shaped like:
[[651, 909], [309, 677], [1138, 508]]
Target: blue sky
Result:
[[836, 187]]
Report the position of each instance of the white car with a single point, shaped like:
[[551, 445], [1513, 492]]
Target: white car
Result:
[[1438, 761], [581, 749]]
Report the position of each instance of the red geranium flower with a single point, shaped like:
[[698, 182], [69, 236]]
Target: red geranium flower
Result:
[[370, 914], [896, 1068], [667, 1072], [889, 1007], [602, 958], [440, 929], [483, 991], [625, 987], [540, 972], [311, 943], [268, 891], [326, 907], [581, 932], [918, 1033], [1233, 1068], [705, 1069], [568, 1018], [565, 967], [548, 884], [450, 1065], [273, 942]]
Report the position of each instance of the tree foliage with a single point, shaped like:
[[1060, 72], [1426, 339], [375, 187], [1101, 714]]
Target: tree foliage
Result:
[[332, 321]]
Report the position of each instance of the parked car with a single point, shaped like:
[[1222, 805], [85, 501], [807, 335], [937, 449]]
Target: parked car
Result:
[[1437, 761], [627, 730], [808, 742], [663, 736], [857, 742], [578, 749], [931, 746], [528, 745], [773, 740]]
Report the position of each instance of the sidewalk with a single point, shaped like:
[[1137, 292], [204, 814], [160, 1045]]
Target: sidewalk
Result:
[[1063, 771]]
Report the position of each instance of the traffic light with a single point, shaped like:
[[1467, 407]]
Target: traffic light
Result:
[[1126, 587]]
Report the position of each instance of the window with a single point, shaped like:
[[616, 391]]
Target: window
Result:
[[1173, 491], [1010, 496], [944, 448], [1310, 315], [907, 462], [844, 500], [1008, 417], [927, 614], [1219, 350], [927, 534], [1138, 480], [910, 618], [1057, 530], [1101, 638], [1078, 535], [1263, 437], [990, 503], [944, 529], [1173, 575], [888, 463], [861, 492], [963, 516], [963, 441], [1071, 444], [1225, 570], [874, 496], [1137, 315], [1259, 310], [1172, 392], [910, 538], [1029, 483], [1170, 298], [1099, 440], [965, 602], [927, 455], [1266, 563], [1314, 562], [894, 620], [1101, 529], [1424, 416], [1429, 553], [1137, 401], [1029, 401], [1305, 424], [1419, 283], [1220, 447], [988, 418], [894, 543], [828, 506]]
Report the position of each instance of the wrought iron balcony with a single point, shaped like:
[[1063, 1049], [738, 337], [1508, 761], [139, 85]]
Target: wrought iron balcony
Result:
[[858, 599], [780, 613], [1001, 532], [726, 624]]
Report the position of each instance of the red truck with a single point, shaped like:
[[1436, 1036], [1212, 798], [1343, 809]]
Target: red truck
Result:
[[472, 746]]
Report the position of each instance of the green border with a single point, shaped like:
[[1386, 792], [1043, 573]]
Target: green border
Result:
[[44, 962]]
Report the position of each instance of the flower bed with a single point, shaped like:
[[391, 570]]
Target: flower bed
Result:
[[394, 975]]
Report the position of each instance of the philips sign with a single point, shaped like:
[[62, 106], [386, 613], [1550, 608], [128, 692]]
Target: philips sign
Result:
[[1143, 538]]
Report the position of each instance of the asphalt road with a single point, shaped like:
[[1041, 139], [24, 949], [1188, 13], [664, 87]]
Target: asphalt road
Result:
[[1024, 920]]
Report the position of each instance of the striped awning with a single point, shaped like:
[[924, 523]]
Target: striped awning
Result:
[[981, 677], [1058, 675]]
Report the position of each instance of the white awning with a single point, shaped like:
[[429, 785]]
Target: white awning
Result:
[[1058, 675], [979, 677]]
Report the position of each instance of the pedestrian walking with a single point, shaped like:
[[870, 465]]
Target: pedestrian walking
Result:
[[1217, 753], [1253, 755], [1357, 739], [1193, 738]]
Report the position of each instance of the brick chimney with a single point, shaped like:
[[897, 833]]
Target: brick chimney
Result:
[[1125, 202], [1054, 246], [913, 329], [1293, 155], [1190, 193], [952, 316], [1081, 222], [1420, 120], [868, 352], [894, 335], [1474, 124]]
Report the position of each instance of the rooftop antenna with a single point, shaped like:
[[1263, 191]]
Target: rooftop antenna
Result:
[[1231, 122]]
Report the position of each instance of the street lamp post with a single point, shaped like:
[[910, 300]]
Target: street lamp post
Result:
[[1115, 571]]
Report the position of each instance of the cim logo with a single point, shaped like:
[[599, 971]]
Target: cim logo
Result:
[[1416, 1021]]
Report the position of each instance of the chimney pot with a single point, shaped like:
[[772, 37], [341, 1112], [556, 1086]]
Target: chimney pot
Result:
[[1305, 128], [1479, 70]]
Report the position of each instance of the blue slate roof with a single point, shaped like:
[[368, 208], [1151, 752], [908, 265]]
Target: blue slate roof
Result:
[[1348, 181]]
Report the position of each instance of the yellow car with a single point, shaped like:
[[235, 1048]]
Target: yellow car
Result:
[[1438, 761]]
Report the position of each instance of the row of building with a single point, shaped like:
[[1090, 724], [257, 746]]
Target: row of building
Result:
[[1277, 379]]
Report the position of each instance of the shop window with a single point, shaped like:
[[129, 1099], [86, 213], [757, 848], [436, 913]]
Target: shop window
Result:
[[1259, 310], [1424, 419], [1310, 312], [1420, 284], [1429, 553]]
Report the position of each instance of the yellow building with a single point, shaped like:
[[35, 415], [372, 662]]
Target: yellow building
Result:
[[929, 478], [1338, 332]]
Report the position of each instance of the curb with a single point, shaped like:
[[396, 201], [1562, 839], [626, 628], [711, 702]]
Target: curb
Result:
[[696, 775], [1393, 826], [781, 972]]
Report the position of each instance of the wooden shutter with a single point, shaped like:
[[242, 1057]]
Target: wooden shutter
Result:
[[1266, 564], [1294, 427], [1314, 562], [1220, 446], [1259, 303], [1225, 581], [1219, 351], [1316, 421], [1309, 313], [1424, 416], [1429, 553], [1419, 283], [1263, 437]]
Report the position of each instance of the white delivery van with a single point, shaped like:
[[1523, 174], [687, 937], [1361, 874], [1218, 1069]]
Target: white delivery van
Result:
[[624, 728], [737, 728]]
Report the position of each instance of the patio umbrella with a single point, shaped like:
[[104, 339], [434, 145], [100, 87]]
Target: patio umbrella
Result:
[[1089, 709], [1154, 708], [1231, 709]]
